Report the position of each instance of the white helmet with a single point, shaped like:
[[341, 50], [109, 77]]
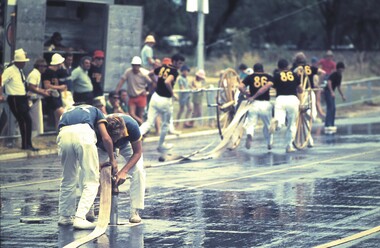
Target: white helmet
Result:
[[136, 60], [57, 59]]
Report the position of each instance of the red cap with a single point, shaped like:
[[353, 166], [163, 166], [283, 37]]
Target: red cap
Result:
[[166, 61], [98, 54]]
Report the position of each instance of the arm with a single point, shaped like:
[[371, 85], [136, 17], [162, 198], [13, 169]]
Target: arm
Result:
[[2, 98], [341, 93], [37, 90], [329, 87], [108, 145], [168, 84], [137, 153], [261, 91], [120, 84], [49, 85]]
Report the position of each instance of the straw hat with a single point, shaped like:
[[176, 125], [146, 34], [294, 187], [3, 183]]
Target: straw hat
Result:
[[57, 59], [20, 56], [150, 39], [201, 74]]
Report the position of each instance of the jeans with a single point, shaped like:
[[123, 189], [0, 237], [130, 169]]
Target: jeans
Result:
[[330, 108]]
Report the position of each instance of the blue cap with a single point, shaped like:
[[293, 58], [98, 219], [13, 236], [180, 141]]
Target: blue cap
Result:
[[185, 68], [314, 60]]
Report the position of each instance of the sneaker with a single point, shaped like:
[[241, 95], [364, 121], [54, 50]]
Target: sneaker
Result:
[[248, 141], [270, 147], [164, 147], [83, 224], [135, 217], [273, 126], [65, 221], [90, 216], [290, 149]]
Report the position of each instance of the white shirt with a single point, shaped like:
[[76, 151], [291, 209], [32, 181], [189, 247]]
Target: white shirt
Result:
[[12, 81], [34, 78]]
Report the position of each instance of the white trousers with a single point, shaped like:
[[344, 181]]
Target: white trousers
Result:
[[262, 110], [286, 109], [36, 114], [77, 143], [137, 172], [158, 105]]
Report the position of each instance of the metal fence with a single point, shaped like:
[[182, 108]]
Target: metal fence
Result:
[[365, 90]]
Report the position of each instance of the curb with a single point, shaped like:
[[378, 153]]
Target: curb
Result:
[[45, 152]]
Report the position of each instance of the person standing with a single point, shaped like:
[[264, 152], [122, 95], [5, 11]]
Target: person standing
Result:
[[76, 142], [13, 79], [317, 79], [327, 63], [137, 81], [260, 107], [35, 103], [126, 137], [197, 85], [334, 82], [147, 53], [96, 74], [161, 102], [83, 89], [64, 73], [51, 82], [184, 97]]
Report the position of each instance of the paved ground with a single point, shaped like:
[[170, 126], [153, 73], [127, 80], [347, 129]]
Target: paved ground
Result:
[[245, 198]]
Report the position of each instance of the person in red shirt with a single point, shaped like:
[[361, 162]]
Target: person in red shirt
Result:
[[327, 63]]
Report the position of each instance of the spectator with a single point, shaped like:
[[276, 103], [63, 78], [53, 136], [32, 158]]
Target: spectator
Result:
[[147, 52], [51, 82], [184, 97], [64, 72], [137, 82], [54, 42], [96, 74], [77, 147], [242, 71], [317, 79], [13, 79], [83, 89], [198, 85], [334, 82], [327, 64], [113, 103], [161, 102], [35, 103], [124, 100]]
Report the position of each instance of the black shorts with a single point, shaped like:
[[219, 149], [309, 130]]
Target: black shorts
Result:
[[53, 103]]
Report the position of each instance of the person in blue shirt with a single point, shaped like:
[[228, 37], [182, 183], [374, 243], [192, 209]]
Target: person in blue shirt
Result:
[[77, 147], [126, 137]]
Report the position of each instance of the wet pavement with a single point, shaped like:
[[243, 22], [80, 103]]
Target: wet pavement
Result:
[[245, 198]]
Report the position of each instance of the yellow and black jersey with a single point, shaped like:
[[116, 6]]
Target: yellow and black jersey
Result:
[[309, 70], [163, 73], [256, 81], [286, 83]]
